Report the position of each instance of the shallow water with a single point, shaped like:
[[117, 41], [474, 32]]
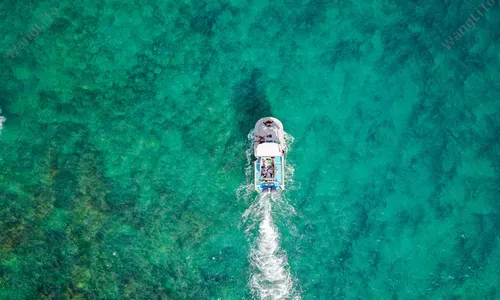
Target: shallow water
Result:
[[126, 130]]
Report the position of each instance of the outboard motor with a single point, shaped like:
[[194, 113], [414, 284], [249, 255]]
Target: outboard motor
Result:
[[268, 187]]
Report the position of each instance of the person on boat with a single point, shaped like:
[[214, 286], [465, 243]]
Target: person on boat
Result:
[[270, 172]]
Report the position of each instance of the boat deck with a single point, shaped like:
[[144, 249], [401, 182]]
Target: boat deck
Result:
[[269, 171]]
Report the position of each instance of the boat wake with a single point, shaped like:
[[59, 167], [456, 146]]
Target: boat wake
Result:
[[270, 277], [2, 120]]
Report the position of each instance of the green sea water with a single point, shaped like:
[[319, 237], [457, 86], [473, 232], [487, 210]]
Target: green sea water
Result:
[[124, 149]]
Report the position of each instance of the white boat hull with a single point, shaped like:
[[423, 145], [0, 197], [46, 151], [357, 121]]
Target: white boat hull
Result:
[[269, 151]]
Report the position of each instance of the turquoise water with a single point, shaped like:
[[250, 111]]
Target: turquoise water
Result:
[[125, 136]]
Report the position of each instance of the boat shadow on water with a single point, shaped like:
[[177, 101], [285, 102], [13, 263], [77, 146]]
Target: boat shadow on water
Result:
[[250, 103]]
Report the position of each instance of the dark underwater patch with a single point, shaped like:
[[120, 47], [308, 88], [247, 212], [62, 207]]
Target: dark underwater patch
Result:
[[250, 103]]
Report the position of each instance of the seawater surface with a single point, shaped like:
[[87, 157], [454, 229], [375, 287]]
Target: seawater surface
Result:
[[123, 149]]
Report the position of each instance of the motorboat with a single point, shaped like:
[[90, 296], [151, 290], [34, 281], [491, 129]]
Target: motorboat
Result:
[[269, 150]]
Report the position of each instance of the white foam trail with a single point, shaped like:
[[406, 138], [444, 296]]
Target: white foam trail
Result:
[[270, 278], [2, 119]]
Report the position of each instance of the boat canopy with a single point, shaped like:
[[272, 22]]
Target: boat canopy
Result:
[[268, 149]]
